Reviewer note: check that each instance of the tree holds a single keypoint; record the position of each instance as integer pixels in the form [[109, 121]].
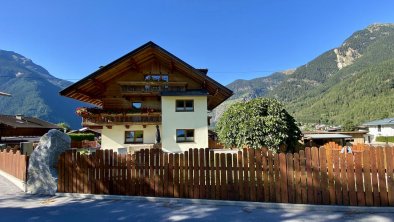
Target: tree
[[257, 123], [348, 126], [64, 125]]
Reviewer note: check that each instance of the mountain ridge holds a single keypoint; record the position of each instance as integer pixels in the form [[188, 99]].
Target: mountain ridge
[[35, 92], [314, 90]]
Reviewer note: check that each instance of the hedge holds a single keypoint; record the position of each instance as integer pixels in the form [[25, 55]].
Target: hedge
[[82, 136], [385, 139]]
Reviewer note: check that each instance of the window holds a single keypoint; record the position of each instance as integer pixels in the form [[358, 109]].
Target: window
[[379, 128], [184, 135], [184, 106], [136, 105], [134, 136]]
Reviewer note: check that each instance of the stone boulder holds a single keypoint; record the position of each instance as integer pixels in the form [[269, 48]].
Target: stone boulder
[[42, 173]]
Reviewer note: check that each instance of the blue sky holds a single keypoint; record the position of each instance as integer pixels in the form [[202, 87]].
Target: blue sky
[[234, 39]]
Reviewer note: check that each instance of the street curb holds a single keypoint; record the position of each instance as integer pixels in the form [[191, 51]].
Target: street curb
[[305, 207], [17, 182]]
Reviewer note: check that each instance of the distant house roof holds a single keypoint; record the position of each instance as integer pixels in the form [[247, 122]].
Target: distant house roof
[[326, 136], [20, 121], [387, 121]]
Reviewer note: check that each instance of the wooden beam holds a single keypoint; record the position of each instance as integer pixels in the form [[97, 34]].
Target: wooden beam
[[98, 84], [134, 65]]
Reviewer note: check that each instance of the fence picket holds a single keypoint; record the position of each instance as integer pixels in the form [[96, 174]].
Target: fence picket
[[308, 168], [196, 175], [304, 193], [283, 178], [259, 176], [359, 179], [202, 178], [266, 191], [367, 176], [350, 180], [390, 177], [236, 180], [297, 179], [252, 174], [316, 175], [277, 178], [382, 177], [290, 178], [223, 182]]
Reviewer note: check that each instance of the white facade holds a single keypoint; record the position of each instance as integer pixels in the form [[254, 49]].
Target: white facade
[[114, 137], [385, 130], [195, 120]]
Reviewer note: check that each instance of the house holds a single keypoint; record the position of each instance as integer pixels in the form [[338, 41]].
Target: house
[[319, 139], [23, 126], [381, 127], [149, 97]]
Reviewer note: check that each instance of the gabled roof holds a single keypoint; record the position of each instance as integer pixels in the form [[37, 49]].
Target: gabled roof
[[26, 122], [84, 90], [387, 121]]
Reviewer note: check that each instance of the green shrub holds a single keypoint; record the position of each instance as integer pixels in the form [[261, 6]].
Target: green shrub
[[82, 136], [389, 139]]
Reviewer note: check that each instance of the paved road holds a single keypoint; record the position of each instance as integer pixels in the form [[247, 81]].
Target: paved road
[[16, 206], [8, 188]]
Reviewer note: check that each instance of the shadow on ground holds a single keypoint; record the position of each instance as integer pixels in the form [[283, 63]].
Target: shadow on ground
[[22, 207]]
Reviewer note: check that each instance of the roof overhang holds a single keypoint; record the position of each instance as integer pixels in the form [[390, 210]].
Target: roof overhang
[[88, 88]]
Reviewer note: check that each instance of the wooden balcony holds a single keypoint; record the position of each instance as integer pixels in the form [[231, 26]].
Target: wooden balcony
[[104, 119], [151, 88]]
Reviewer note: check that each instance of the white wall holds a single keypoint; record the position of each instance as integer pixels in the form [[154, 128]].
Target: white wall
[[171, 121], [386, 130], [114, 138]]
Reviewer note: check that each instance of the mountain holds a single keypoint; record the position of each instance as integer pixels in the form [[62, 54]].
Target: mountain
[[250, 89], [354, 81], [34, 91]]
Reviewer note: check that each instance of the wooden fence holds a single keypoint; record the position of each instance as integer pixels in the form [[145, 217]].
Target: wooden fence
[[313, 176], [14, 163]]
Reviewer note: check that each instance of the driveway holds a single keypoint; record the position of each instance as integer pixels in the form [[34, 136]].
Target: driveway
[[17, 206]]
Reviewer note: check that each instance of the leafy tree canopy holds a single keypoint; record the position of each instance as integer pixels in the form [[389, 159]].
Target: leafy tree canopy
[[64, 125], [349, 126], [257, 123]]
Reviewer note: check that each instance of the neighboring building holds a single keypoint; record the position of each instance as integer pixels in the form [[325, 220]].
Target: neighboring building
[[319, 138], [148, 97], [382, 127], [17, 126]]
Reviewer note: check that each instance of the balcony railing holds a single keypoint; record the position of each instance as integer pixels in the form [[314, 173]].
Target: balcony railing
[[151, 87], [96, 116], [114, 119]]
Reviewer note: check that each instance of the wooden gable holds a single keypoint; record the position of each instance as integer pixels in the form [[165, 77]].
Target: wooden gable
[[149, 59]]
